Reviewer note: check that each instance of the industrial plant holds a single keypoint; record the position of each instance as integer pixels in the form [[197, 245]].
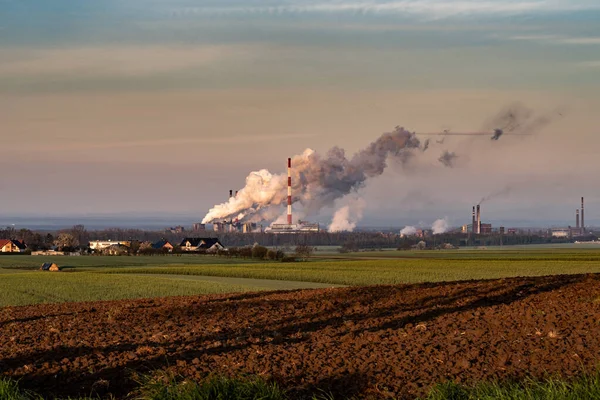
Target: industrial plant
[[234, 225], [578, 230]]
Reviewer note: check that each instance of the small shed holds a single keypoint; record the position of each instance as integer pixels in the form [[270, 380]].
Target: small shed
[[50, 267]]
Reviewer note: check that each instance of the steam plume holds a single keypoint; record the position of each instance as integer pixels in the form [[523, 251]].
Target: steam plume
[[317, 181], [440, 226], [346, 218], [408, 231]]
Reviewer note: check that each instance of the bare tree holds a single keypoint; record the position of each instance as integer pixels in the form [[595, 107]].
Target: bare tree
[[304, 251], [66, 242]]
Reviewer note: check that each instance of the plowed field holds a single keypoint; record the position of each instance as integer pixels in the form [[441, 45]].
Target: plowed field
[[378, 340]]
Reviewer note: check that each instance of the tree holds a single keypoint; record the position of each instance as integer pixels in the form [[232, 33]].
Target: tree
[[304, 251], [66, 242], [259, 252], [79, 233]]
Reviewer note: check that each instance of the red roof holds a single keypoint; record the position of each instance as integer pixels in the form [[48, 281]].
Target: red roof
[[4, 242]]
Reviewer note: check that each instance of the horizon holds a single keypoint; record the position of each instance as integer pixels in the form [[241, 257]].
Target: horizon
[[163, 114]]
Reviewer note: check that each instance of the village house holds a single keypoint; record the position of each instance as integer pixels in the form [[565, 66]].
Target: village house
[[198, 244], [12, 246], [97, 245], [163, 245]]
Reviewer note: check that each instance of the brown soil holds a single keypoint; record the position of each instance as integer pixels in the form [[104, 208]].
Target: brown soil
[[378, 340]]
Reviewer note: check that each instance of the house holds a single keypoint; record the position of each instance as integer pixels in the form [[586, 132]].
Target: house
[[198, 244], [12, 246], [163, 245], [50, 267], [103, 244], [115, 249]]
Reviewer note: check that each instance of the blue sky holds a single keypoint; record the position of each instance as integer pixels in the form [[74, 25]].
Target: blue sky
[[156, 87]]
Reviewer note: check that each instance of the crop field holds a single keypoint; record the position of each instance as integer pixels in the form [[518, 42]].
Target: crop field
[[34, 262], [384, 271], [37, 287], [377, 342], [90, 278]]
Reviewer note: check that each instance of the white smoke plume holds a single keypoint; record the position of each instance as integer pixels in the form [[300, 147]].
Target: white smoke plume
[[346, 218], [440, 226], [317, 181], [408, 231]]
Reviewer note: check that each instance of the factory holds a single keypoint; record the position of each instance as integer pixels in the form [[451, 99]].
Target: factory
[[476, 226], [249, 227], [578, 230], [290, 227]]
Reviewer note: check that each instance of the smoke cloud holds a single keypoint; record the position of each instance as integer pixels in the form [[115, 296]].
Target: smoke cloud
[[317, 181], [346, 218], [519, 119], [447, 159], [408, 230], [504, 191], [440, 226]]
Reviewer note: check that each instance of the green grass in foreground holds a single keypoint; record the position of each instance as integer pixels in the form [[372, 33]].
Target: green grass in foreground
[[586, 387], [56, 287], [162, 386], [371, 272], [166, 387]]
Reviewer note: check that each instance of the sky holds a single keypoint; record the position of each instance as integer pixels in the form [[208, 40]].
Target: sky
[[159, 107]]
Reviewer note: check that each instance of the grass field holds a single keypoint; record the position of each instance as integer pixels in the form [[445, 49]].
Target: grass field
[[45, 287], [385, 271], [119, 277], [34, 262]]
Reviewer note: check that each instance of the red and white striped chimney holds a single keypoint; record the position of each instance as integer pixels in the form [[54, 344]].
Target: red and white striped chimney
[[289, 210]]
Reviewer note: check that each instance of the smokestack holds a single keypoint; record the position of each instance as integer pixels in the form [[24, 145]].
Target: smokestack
[[582, 221], [577, 219], [230, 193], [236, 192], [289, 210], [473, 221], [478, 220]]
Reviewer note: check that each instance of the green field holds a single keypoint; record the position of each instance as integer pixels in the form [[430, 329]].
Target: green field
[[118, 277]]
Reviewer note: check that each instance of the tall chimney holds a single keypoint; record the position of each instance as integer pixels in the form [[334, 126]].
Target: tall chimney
[[577, 219], [230, 193], [478, 220], [582, 221], [473, 221], [236, 192], [289, 210]]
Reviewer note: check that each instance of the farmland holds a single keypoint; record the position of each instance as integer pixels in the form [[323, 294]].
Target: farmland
[[378, 341], [90, 278]]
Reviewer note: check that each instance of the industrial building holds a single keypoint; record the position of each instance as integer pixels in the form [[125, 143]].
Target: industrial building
[[290, 227], [476, 226], [578, 230], [248, 227]]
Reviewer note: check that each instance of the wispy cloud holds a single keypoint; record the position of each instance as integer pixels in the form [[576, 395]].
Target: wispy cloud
[[558, 39], [590, 64], [114, 60], [112, 144], [426, 8]]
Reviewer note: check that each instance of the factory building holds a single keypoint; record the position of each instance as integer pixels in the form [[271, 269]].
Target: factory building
[[290, 227], [249, 227], [476, 226]]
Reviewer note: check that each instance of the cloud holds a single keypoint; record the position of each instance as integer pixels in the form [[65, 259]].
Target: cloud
[[557, 39], [114, 60], [581, 40], [590, 64], [437, 9], [169, 142]]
